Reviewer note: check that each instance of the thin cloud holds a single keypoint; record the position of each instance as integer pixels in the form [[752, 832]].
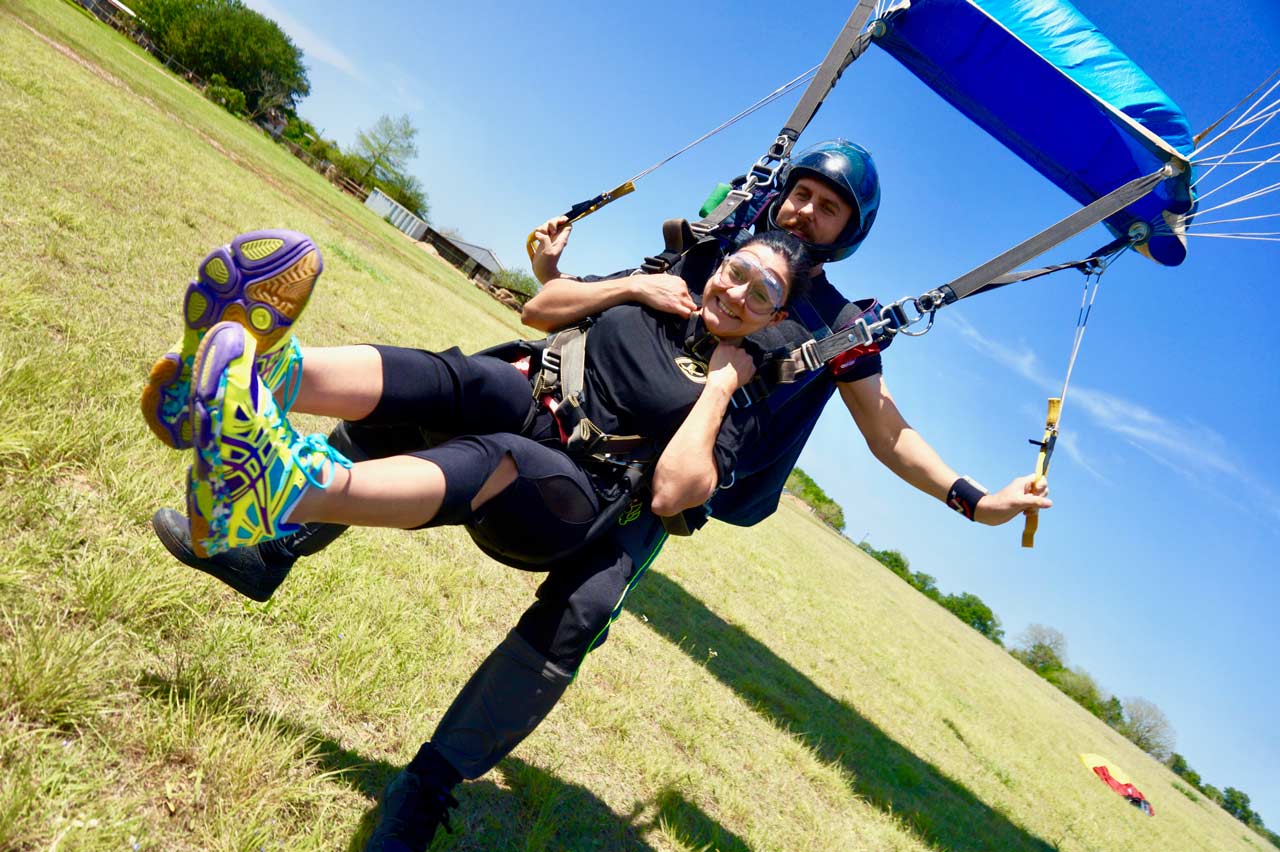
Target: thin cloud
[[1193, 450], [1069, 443], [314, 45]]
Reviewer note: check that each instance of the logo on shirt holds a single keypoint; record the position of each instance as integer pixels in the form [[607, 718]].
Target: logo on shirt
[[695, 370]]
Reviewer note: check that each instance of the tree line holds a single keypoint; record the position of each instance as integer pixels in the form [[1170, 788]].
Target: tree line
[[1043, 649], [253, 70]]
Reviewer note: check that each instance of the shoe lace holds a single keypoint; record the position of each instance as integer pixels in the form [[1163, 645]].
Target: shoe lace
[[314, 454]]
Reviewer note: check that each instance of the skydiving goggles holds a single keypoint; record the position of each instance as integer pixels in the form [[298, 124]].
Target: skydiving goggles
[[765, 291]]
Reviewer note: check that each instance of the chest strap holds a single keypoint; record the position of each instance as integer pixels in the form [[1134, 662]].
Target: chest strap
[[559, 387]]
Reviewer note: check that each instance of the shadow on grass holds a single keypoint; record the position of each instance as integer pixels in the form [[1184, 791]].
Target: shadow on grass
[[942, 812], [524, 808]]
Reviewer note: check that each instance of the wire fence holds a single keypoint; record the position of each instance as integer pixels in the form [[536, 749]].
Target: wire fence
[[124, 21]]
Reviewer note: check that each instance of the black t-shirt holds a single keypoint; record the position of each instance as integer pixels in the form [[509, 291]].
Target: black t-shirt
[[765, 463], [645, 371], [785, 419]]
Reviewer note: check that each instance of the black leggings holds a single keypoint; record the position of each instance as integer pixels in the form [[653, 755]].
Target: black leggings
[[479, 410]]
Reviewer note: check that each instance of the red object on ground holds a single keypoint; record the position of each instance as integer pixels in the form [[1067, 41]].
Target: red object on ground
[[1130, 792]]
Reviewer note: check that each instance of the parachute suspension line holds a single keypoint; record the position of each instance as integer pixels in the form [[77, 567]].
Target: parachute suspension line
[[1087, 297], [1274, 158], [783, 90], [1222, 158], [1093, 276], [1238, 219], [1273, 237], [1243, 174], [1203, 133], [585, 208], [851, 43], [1245, 117], [1248, 196]]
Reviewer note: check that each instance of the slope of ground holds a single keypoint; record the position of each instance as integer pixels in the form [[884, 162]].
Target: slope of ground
[[772, 689]]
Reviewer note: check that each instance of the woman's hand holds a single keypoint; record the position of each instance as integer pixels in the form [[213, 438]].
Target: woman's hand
[[731, 364]]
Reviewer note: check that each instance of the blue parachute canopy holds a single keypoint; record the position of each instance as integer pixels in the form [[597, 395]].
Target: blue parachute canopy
[[1038, 76]]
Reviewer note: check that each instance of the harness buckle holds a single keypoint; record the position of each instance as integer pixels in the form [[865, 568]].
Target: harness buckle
[[904, 313]]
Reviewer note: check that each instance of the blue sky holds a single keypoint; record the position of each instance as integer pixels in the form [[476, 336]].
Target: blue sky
[[1158, 561]]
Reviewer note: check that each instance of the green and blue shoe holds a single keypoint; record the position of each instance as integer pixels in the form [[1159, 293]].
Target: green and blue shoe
[[251, 468], [262, 281]]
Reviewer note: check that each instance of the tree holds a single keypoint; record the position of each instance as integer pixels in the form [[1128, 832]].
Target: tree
[[1080, 687], [517, 281], [407, 191], [229, 98], [1112, 712], [226, 37], [1236, 803], [1147, 727], [926, 585], [386, 147], [891, 559], [1179, 766], [1212, 793], [1042, 648], [970, 609], [802, 485]]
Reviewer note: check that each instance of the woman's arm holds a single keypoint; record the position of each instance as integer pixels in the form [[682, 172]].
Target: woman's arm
[[563, 300], [686, 474]]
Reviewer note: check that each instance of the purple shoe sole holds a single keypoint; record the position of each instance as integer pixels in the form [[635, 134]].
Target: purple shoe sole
[[262, 281]]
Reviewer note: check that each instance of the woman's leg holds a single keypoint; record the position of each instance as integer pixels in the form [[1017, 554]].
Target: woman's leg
[[535, 492], [445, 392], [338, 381], [255, 479], [402, 492]]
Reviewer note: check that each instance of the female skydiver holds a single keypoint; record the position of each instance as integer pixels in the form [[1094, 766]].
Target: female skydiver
[[504, 466]]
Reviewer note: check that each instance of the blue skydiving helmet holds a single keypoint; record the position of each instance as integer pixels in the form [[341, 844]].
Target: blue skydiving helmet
[[849, 169]]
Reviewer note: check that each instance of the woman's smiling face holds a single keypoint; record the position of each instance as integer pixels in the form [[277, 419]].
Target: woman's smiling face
[[746, 293]]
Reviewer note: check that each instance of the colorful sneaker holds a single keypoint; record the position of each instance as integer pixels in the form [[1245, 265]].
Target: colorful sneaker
[[262, 281], [251, 467]]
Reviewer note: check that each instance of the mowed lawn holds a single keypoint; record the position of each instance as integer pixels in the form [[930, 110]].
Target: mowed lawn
[[770, 689]]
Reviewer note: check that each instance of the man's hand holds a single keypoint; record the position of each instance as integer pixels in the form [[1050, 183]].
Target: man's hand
[[730, 364], [552, 236], [1021, 495], [666, 293]]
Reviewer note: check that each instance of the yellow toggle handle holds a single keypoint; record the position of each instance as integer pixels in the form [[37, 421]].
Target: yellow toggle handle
[[581, 210], [1032, 522]]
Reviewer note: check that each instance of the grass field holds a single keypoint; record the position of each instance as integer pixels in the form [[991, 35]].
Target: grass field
[[747, 701]]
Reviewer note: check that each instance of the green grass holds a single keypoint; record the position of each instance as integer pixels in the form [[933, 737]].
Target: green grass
[[745, 702]]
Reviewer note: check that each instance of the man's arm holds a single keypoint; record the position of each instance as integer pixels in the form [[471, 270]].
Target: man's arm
[[564, 300], [686, 474], [901, 449]]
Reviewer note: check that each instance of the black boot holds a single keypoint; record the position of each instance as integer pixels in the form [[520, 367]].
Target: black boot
[[415, 804], [255, 572]]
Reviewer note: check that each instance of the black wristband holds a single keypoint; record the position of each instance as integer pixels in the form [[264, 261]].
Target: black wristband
[[964, 496]]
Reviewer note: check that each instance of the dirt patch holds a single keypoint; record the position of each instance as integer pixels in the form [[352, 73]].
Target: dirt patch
[[76, 58]]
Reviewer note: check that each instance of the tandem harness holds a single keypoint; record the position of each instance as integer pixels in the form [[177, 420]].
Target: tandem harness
[[618, 465]]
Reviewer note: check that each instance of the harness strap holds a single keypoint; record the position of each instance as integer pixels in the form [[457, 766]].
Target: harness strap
[[676, 237], [849, 45], [559, 387]]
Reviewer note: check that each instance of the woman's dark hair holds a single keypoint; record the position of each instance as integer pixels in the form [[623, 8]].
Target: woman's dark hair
[[793, 252]]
